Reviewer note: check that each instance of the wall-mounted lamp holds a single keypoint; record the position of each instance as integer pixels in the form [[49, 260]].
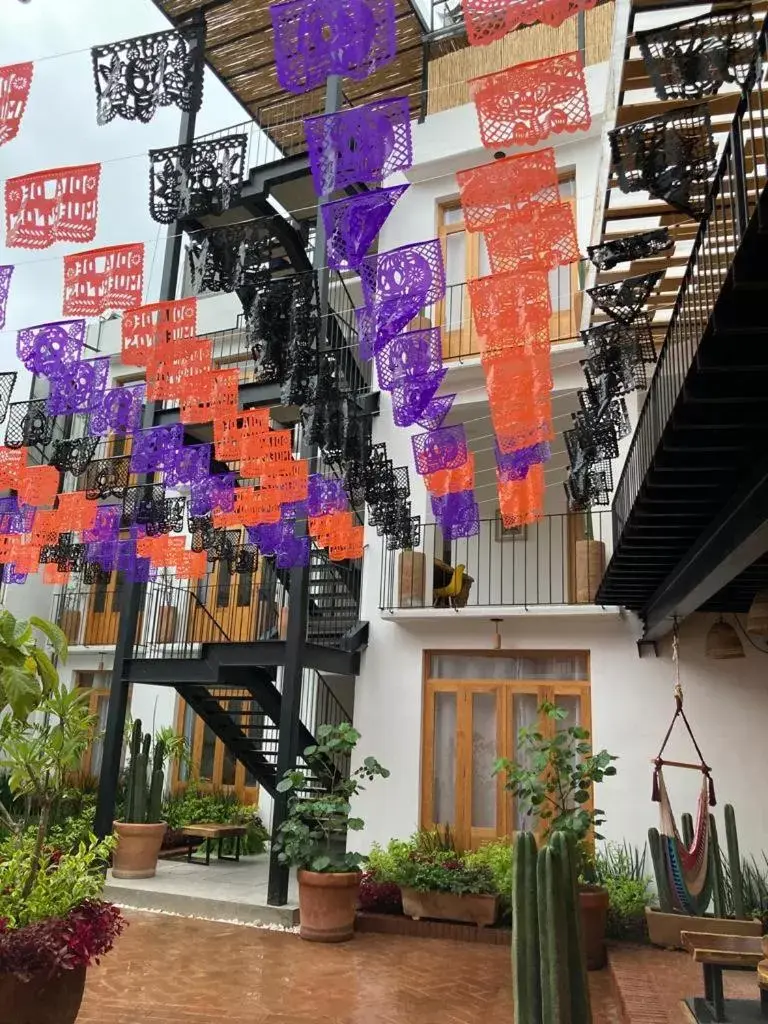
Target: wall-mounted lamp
[[497, 634]]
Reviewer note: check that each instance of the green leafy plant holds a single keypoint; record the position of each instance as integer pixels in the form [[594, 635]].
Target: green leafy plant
[[754, 888], [315, 828], [497, 857], [621, 869], [27, 674], [553, 778], [446, 872]]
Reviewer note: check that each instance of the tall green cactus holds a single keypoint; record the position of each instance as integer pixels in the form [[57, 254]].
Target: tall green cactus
[[716, 869], [143, 804], [660, 871], [157, 782], [734, 863], [525, 931], [549, 975]]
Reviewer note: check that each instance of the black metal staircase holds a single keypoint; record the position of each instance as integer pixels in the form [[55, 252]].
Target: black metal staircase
[[690, 508]]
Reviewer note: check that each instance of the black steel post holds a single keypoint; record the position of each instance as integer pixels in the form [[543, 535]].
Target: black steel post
[[133, 593], [296, 636]]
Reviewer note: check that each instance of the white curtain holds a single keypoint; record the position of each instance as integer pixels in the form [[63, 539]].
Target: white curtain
[[524, 666]]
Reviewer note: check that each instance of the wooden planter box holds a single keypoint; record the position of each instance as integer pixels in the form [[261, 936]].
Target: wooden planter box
[[165, 628], [664, 929], [447, 906], [590, 567]]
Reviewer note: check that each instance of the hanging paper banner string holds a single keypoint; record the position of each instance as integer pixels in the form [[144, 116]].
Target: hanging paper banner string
[[547, 240], [352, 224], [449, 481], [407, 356], [213, 492], [515, 465], [526, 103], [159, 322], [6, 273], [7, 382], [46, 207], [48, 347], [522, 501], [191, 465], [411, 399], [15, 81], [77, 387], [107, 478], [606, 255], [134, 77], [318, 38], [445, 448], [488, 20], [74, 455], [201, 178], [12, 462], [216, 398], [118, 411], [103, 279], [396, 285], [360, 146], [511, 312], [232, 430], [508, 190], [623, 300], [156, 448], [176, 368], [458, 514]]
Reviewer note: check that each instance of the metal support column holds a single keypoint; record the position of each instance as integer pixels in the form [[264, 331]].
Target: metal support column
[[288, 737], [133, 593]]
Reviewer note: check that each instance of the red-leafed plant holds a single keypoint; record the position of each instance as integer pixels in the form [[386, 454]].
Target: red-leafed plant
[[377, 897], [55, 944]]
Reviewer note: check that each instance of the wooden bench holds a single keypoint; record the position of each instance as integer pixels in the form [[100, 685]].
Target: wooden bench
[[718, 953], [210, 833]]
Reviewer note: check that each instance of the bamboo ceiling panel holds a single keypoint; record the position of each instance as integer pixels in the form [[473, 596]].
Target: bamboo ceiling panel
[[240, 50], [628, 214]]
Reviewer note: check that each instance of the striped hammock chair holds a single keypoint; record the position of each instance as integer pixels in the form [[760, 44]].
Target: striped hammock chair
[[687, 867], [690, 880]]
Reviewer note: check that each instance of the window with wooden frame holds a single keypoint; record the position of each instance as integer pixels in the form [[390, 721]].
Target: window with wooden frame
[[213, 766], [475, 704], [97, 684], [466, 258]]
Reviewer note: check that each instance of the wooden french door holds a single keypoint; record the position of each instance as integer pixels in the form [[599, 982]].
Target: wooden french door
[[103, 616], [223, 606], [467, 725]]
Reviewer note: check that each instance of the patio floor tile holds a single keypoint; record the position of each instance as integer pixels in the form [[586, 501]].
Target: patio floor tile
[[170, 970]]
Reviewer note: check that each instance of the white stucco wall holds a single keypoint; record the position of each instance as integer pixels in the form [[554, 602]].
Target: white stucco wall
[[632, 704]]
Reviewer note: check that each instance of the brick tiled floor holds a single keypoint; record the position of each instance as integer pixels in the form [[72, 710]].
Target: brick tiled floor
[[168, 970], [651, 983]]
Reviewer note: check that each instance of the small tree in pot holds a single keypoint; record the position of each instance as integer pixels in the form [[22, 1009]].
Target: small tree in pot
[[52, 921], [313, 836], [552, 782], [140, 835]]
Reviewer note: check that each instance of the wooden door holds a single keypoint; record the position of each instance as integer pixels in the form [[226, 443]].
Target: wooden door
[[224, 605]]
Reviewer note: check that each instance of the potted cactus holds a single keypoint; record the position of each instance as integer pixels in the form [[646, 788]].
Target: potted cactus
[[552, 783], [140, 835]]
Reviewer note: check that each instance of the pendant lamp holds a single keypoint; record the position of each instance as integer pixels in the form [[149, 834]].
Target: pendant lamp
[[723, 642]]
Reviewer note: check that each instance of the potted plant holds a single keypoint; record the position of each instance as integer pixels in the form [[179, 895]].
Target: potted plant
[[552, 782], [140, 834], [52, 921], [313, 835], [436, 881]]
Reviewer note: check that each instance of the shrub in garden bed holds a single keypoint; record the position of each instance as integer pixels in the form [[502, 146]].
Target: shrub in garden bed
[[621, 869]]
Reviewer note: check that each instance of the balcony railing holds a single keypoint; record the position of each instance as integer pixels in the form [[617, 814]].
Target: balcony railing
[[550, 562], [734, 198]]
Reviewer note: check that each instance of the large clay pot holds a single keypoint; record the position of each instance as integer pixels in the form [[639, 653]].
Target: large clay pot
[[449, 906], [137, 850], [590, 568], [327, 905], [593, 903], [53, 1000]]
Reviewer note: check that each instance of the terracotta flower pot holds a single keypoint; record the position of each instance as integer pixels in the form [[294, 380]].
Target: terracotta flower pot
[[45, 1000], [327, 904], [137, 850], [593, 903]]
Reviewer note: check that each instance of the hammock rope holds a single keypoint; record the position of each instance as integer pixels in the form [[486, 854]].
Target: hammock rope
[[690, 880]]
